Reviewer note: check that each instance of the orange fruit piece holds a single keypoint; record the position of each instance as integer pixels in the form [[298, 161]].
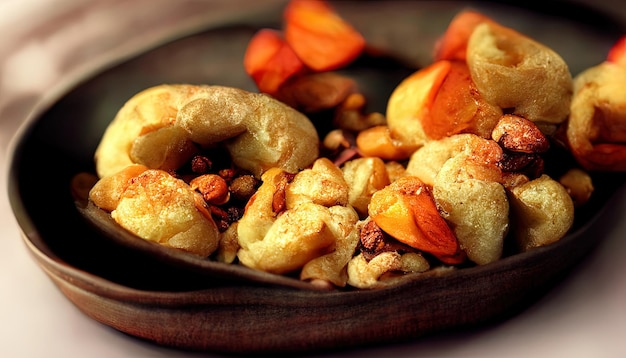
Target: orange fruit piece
[[320, 36], [270, 61]]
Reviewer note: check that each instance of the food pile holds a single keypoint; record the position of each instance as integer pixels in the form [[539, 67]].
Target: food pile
[[452, 175]]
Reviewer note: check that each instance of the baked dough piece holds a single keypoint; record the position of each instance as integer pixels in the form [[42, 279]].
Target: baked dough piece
[[162, 127], [543, 212], [476, 208], [596, 130], [520, 74], [157, 207], [303, 223]]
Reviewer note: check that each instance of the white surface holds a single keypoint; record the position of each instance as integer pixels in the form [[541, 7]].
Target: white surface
[[585, 316]]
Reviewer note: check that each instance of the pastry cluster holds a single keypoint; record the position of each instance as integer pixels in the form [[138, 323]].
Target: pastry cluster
[[452, 175]]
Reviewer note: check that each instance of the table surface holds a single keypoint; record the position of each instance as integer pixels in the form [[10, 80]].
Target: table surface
[[583, 316]]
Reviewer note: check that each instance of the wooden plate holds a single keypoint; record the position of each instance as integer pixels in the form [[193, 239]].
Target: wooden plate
[[140, 294]]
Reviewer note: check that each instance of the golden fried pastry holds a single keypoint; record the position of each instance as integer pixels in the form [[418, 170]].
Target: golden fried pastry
[[228, 246], [157, 207], [331, 267], [578, 184], [322, 184], [368, 274], [542, 212], [296, 237], [596, 130], [292, 220], [476, 208], [147, 111], [519, 74], [163, 126], [463, 171], [108, 191], [426, 162], [364, 177]]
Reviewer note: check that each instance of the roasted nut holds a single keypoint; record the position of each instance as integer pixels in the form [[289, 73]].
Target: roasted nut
[[372, 238], [379, 141], [519, 135], [349, 115], [349, 119], [227, 173], [354, 101], [213, 188], [516, 162], [531, 165], [340, 145], [337, 139], [279, 200], [200, 164], [374, 241], [220, 216], [353, 120], [243, 187]]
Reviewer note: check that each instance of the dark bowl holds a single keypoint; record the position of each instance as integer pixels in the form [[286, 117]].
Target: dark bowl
[[137, 293]]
